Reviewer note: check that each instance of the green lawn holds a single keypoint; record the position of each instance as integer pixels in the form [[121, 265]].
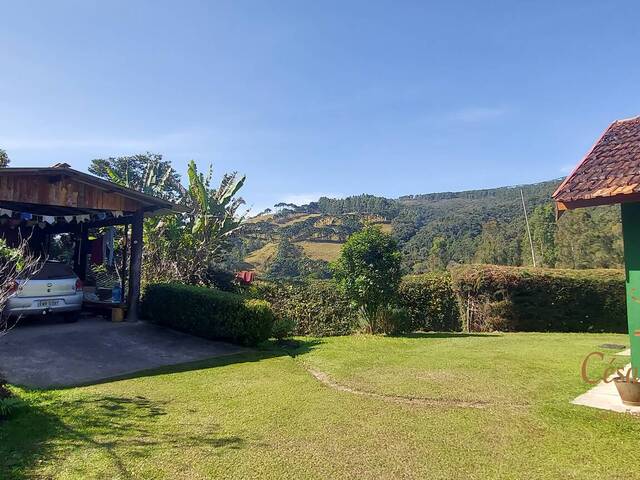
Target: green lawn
[[265, 416]]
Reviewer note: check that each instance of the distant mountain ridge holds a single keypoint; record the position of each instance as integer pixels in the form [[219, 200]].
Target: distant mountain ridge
[[433, 230], [503, 192]]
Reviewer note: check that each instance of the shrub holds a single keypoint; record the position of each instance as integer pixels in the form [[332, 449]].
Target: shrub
[[283, 327], [394, 320], [368, 273], [220, 278], [316, 307], [208, 313], [526, 299], [9, 405], [430, 302], [8, 402]]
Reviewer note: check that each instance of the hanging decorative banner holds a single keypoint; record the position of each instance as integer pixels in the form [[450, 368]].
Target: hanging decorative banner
[[42, 220]]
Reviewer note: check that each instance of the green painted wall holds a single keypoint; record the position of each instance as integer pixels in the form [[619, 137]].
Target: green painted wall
[[631, 234]]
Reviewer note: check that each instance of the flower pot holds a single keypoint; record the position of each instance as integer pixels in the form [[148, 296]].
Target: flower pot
[[629, 392]]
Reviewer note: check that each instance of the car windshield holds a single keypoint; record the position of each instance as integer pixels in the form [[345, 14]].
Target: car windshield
[[54, 270]]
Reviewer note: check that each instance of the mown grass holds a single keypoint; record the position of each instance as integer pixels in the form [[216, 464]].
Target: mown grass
[[262, 415]]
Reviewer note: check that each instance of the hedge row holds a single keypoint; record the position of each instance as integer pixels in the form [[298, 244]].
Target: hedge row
[[430, 302], [318, 309], [208, 313], [540, 300], [478, 297]]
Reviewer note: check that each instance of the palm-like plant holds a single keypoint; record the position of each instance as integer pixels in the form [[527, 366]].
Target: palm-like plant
[[181, 246], [186, 245]]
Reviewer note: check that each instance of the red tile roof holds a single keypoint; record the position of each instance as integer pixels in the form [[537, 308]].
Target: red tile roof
[[609, 173]]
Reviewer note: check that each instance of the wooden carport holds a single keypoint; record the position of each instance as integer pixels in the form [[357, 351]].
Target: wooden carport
[[58, 199]]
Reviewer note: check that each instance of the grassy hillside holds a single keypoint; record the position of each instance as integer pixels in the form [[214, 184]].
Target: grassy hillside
[[435, 230], [327, 251]]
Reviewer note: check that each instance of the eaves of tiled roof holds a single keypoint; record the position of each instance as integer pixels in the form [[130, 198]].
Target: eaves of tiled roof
[[609, 173]]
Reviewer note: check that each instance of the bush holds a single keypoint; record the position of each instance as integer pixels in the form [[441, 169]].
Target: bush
[[220, 278], [8, 402], [283, 327], [394, 321], [9, 405], [430, 302], [368, 272], [316, 307], [525, 299], [208, 313]]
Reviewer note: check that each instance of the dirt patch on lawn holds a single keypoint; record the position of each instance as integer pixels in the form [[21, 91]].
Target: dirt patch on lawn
[[416, 401]]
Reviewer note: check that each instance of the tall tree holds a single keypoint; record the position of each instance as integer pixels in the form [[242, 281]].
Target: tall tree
[[439, 257], [4, 159], [495, 247], [590, 238], [147, 173], [543, 234], [288, 261]]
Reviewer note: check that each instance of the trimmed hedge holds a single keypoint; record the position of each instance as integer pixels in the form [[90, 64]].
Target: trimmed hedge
[[431, 302], [318, 309], [486, 297], [541, 300], [315, 307], [208, 313]]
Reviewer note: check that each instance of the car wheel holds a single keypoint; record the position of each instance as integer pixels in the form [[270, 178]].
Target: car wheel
[[71, 317]]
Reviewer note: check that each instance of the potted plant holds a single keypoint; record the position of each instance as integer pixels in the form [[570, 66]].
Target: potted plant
[[628, 386]]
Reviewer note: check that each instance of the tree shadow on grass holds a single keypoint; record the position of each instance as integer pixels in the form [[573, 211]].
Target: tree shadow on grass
[[44, 431], [50, 425], [270, 349]]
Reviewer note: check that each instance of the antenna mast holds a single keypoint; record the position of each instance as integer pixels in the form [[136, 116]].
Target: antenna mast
[[526, 220]]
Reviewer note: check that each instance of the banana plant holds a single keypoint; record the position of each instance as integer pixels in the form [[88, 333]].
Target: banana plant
[[214, 210]]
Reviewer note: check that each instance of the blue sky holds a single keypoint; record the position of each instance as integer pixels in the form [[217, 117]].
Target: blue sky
[[312, 98]]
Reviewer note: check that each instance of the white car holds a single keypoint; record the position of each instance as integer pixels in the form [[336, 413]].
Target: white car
[[55, 289]]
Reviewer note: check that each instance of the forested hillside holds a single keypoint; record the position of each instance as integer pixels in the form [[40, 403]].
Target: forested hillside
[[434, 230]]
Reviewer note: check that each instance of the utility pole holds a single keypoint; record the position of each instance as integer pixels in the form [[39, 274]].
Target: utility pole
[[526, 220]]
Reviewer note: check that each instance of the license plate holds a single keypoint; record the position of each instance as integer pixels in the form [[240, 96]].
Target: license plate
[[48, 303]]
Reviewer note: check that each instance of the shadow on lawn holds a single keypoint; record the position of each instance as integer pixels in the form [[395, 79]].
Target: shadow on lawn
[[49, 426], [107, 425], [265, 351]]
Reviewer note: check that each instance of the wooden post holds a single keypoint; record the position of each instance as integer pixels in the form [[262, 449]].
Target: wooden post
[[135, 268], [83, 252], [125, 244], [631, 236]]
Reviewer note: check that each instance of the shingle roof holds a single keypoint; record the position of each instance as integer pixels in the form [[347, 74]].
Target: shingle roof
[[609, 173]]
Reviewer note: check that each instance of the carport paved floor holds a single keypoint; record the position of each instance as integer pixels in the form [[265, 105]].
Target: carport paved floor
[[47, 353]]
